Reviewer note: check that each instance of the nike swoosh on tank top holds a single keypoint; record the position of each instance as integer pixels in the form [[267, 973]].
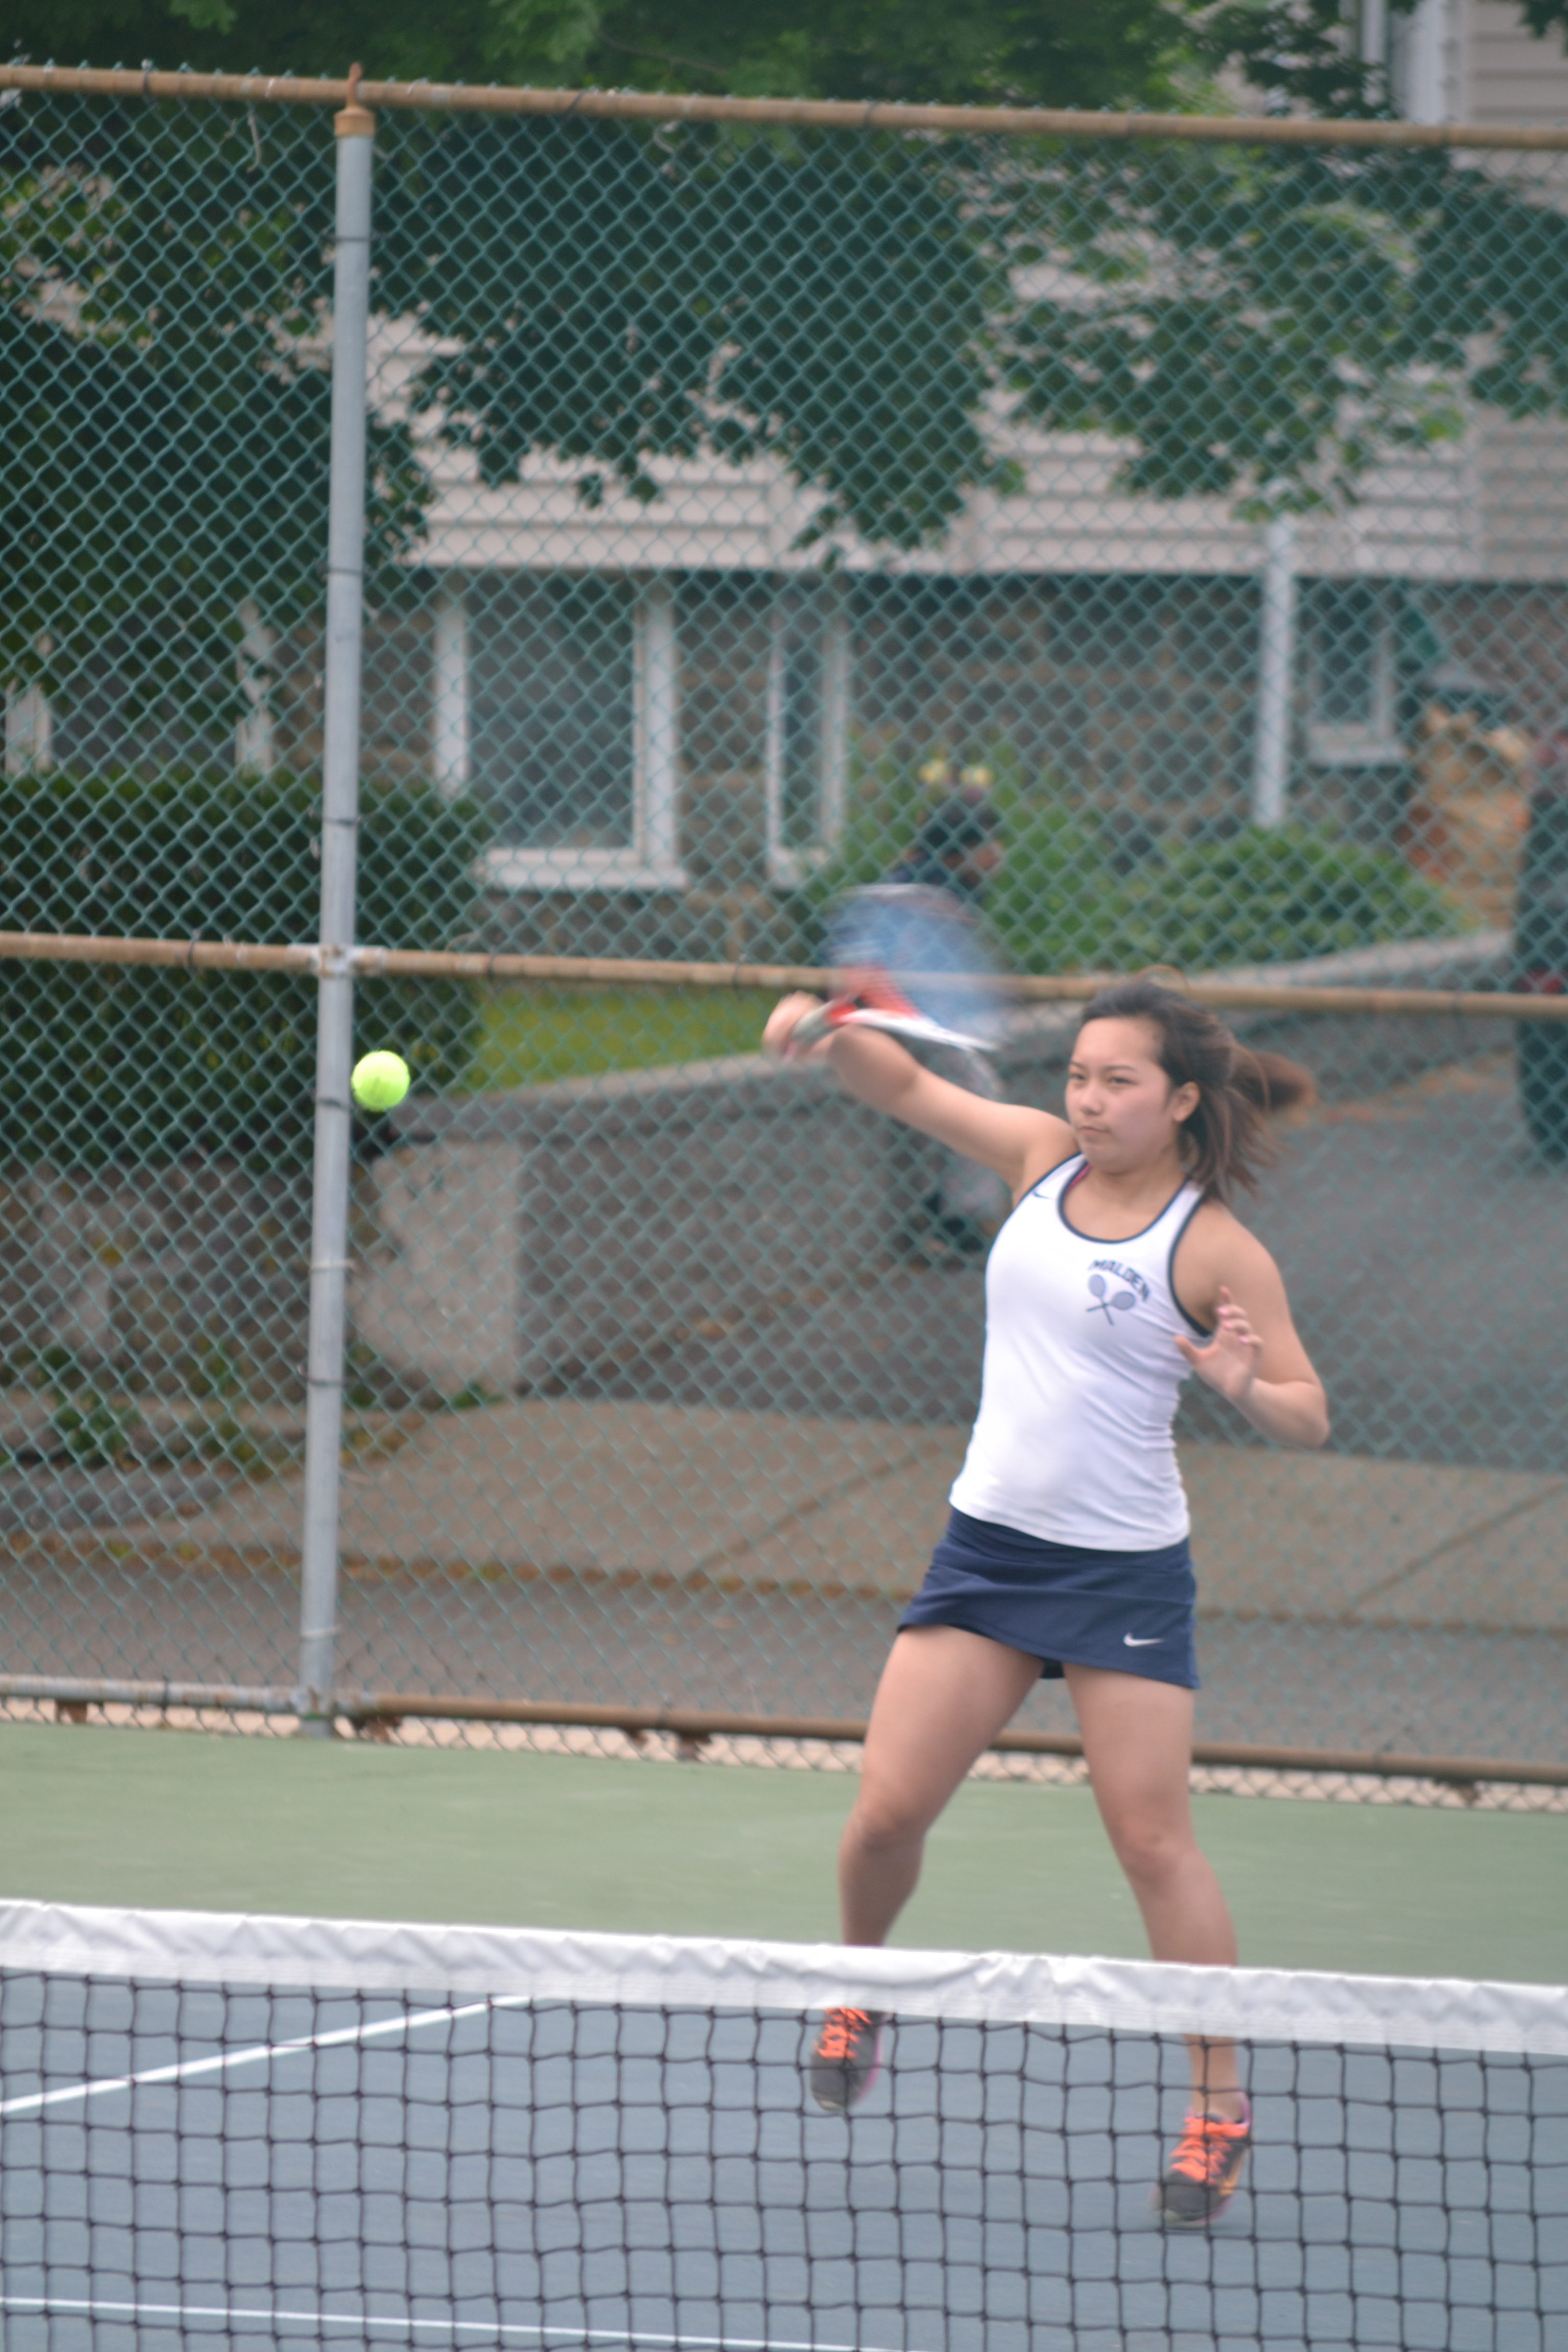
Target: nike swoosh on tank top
[[1072, 1441]]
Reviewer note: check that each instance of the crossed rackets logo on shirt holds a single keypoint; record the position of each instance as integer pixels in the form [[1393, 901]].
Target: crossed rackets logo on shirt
[[1104, 1299]]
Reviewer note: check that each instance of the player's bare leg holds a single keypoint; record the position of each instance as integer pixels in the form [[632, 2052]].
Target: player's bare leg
[[943, 1696], [1138, 1740]]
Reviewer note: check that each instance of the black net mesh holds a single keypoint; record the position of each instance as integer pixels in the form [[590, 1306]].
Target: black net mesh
[[186, 2163]]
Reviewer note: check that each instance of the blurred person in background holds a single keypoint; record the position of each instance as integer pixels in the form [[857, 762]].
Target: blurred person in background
[[958, 847], [958, 850]]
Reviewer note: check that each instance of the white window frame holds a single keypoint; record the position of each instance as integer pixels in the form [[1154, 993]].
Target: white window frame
[[787, 868], [451, 761], [30, 730], [1375, 744], [1422, 56], [256, 667], [651, 860]]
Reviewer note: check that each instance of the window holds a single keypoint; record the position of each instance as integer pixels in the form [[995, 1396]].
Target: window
[[554, 699], [807, 729], [1351, 717]]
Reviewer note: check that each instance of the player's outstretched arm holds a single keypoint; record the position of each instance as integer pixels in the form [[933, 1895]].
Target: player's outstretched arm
[[1018, 1143]]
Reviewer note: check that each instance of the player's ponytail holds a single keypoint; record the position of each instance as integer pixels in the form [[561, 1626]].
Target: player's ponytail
[[1227, 1140]]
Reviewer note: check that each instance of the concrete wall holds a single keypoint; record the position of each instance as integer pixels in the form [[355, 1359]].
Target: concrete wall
[[519, 1237], [174, 1276], [511, 1241], [514, 1240]]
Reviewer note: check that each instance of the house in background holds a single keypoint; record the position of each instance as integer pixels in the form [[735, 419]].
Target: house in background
[[667, 705]]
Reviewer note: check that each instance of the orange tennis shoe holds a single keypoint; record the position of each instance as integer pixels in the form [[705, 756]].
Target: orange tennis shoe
[[1204, 2170], [846, 2058]]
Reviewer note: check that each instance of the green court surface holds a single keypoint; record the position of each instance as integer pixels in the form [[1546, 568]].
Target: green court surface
[[223, 1823]]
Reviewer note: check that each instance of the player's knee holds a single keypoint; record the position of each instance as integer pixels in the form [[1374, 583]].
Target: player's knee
[[883, 1819], [1152, 1853]]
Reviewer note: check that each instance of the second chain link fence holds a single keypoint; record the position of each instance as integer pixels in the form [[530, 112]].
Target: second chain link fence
[[751, 509]]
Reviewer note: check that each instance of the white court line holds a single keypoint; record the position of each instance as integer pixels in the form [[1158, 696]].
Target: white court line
[[33, 2102], [497, 2330]]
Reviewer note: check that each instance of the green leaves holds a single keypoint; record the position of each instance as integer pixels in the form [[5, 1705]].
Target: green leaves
[[625, 303], [1271, 897], [1258, 326], [1265, 326], [163, 282], [105, 1063], [1246, 322], [1057, 52], [204, 16]]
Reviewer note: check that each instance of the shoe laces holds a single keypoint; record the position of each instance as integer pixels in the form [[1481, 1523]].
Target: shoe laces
[[1204, 2147], [841, 2030]]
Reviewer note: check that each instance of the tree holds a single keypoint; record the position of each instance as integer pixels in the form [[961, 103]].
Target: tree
[[1152, 53], [1266, 324], [1053, 52], [1545, 17], [1258, 323], [618, 300], [1058, 52], [163, 281]]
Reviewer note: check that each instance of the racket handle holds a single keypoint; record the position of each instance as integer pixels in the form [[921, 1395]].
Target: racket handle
[[810, 1030]]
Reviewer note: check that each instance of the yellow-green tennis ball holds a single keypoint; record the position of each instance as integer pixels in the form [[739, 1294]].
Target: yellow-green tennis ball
[[380, 1081]]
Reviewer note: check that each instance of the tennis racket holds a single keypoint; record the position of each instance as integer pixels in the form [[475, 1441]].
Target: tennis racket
[[915, 963], [878, 1004]]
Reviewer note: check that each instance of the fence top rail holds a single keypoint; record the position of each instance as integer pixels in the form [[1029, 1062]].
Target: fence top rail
[[310, 961], [805, 113]]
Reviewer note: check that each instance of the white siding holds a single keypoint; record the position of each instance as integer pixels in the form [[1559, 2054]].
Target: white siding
[[1494, 506], [1506, 75], [1523, 504], [1423, 518]]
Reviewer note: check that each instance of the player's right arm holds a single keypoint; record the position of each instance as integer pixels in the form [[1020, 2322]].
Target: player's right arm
[[1018, 1143]]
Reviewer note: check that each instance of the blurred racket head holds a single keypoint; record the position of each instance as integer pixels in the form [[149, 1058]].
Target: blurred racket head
[[916, 950]]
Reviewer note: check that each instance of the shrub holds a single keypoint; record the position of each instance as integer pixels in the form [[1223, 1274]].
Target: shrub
[[1059, 903], [1271, 898], [1056, 895], [113, 1063]]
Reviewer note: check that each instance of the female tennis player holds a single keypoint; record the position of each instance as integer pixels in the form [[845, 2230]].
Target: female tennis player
[[1119, 1271]]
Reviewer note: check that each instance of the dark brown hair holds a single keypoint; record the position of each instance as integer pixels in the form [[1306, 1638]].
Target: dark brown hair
[[1225, 1139]]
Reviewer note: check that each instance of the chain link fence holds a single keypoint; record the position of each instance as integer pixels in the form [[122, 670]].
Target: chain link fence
[[737, 491]]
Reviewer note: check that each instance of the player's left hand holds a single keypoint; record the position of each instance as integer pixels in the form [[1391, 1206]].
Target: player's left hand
[[1228, 1362]]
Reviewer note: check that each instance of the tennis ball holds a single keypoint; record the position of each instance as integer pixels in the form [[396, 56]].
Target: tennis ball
[[380, 1081]]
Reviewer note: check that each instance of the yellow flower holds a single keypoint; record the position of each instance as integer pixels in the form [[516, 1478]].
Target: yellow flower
[[980, 775]]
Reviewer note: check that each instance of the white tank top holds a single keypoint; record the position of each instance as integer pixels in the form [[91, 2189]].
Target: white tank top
[[1073, 1442]]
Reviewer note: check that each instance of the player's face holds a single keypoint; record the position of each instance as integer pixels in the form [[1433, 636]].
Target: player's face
[[1121, 1105]]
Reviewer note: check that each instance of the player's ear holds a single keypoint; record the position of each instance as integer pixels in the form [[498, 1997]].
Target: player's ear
[[1184, 1099]]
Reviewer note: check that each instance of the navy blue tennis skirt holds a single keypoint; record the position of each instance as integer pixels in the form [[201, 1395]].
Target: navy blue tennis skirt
[[1131, 1610]]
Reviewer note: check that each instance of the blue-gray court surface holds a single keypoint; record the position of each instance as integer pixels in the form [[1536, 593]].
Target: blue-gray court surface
[[511, 2175]]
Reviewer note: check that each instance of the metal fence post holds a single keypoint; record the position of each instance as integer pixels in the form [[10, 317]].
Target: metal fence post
[[1276, 671], [355, 129]]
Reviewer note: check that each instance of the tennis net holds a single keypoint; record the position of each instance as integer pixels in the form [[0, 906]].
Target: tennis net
[[255, 2131]]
